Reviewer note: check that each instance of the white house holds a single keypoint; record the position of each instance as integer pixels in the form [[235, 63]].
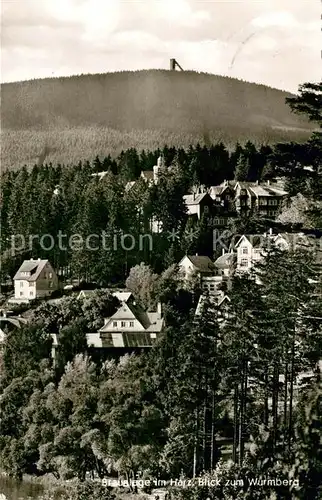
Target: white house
[[34, 279], [249, 252], [196, 265], [252, 248], [131, 327]]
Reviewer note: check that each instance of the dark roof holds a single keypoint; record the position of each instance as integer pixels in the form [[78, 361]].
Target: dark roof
[[148, 174], [194, 199], [34, 267], [202, 262]]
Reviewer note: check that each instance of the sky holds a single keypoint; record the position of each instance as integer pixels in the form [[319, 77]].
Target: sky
[[274, 42]]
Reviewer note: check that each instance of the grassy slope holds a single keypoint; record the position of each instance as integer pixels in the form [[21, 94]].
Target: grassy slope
[[81, 116]]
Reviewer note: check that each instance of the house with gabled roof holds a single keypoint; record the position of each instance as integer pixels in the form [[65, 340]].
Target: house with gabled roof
[[198, 204], [131, 327], [249, 197], [249, 250], [34, 279], [196, 265]]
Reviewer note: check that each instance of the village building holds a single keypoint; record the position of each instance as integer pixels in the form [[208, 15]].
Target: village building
[[246, 198], [251, 249], [199, 266], [34, 279], [151, 176], [198, 203], [130, 327]]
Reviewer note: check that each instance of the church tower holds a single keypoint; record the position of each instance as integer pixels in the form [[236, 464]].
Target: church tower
[[158, 169]]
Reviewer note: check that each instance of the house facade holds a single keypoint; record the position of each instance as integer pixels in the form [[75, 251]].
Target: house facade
[[131, 327], [34, 279], [196, 265], [246, 198], [198, 204], [249, 251]]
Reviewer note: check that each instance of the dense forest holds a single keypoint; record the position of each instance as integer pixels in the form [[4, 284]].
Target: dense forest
[[225, 399], [48, 200], [70, 119]]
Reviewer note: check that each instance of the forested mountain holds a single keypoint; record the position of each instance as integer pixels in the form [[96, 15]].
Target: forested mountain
[[71, 118]]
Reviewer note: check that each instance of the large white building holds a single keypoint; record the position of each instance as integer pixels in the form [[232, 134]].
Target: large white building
[[34, 279]]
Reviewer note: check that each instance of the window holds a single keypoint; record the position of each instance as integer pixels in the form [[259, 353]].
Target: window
[[21, 284], [31, 293], [21, 294], [206, 209], [211, 287], [244, 263], [123, 324], [31, 283], [114, 324], [245, 250], [50, 284], [131, 324], [262, 201], [50, 275]]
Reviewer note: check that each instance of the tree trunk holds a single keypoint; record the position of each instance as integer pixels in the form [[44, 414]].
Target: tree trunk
[[285, 394], [290, 423], [213, 432], [242, 442], [241, 417], [235, 441], [275, 403], [266, 411]]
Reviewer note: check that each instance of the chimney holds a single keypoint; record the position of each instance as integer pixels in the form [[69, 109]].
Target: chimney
[[159, 308], [172, 64], [223, 252], [268, 182], [196, 255], [270, 231]]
